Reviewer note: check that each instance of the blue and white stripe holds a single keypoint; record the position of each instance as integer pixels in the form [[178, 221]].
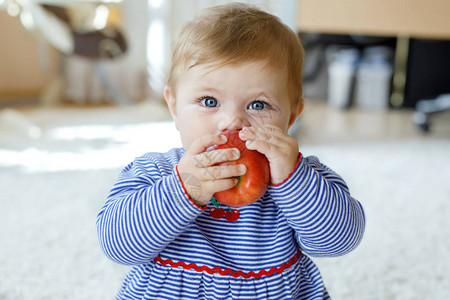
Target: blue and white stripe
[[148, 215]]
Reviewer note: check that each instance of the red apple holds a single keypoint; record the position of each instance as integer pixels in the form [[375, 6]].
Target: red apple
[[253, 184]]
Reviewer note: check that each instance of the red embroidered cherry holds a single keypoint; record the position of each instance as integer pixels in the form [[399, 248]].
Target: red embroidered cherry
[[232, 216], [216, 213]]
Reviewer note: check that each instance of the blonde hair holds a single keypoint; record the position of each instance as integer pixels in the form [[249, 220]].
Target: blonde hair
[[235, 33]]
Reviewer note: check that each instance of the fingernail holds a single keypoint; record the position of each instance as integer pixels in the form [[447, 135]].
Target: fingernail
[[236, 153], [245, 133], [242, 169]]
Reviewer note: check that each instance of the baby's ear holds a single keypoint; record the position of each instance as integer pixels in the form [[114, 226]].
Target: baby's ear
[[170, 100], [296, 111]]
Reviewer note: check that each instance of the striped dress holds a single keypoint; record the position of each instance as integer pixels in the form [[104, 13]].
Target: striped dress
[[177, 250]]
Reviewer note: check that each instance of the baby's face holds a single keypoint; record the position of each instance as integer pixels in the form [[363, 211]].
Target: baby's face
[[210, 100]]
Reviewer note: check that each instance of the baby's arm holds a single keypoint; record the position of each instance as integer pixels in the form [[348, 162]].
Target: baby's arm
[[318, 206], [146, 209], [315, 200]]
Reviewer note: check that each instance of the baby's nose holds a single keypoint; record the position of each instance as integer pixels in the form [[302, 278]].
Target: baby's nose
[[233, 123]]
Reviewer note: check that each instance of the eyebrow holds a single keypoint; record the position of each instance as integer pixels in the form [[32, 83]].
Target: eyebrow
[[209, 89], [263, 94], [270, 98]]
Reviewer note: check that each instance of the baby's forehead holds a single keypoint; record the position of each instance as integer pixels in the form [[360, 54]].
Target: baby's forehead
[[245, 80], [262, 64], [218, 74]]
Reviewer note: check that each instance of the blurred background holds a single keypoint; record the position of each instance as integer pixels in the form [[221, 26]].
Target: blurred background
[[81, 96]]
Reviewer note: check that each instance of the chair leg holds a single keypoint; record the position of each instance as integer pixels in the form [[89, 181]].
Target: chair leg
[[422, 121], [426, 108]]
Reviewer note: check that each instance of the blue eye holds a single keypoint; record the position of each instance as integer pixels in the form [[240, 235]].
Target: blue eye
[[209, 102], [258, 105]]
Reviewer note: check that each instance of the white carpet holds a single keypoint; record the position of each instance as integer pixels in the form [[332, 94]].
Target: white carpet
[[53, 187], [404, 187]]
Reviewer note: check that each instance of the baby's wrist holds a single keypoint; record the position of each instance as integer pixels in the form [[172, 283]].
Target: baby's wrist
[[192, 192], [291, 171], [201, 202]]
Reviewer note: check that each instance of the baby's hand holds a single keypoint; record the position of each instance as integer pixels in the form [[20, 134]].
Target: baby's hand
[[200, 177], [280, 149]]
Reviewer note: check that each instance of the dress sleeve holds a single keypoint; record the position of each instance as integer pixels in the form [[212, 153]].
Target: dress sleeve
[[317, 204], [146, 209]]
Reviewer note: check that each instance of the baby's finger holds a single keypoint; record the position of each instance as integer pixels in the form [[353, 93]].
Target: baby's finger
[[206, 141], [278, 135], [268, 135], [213, 157], [220, 184], [262, 146], [264, 132], [223, 172]]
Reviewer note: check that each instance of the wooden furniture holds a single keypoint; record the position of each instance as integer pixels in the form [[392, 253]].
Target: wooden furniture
[[413, 18], [25, 67]]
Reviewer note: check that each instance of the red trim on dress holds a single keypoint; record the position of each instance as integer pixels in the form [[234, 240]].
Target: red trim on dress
[[228, 271], [186, 193], [300, 157]]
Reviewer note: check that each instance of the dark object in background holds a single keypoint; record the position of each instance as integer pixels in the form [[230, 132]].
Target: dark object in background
[[316, 62], [428, 71], [107, 43], [311, 41]]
